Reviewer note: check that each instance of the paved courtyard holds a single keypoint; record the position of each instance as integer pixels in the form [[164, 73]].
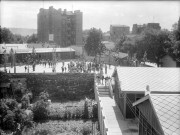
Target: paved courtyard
[[46, 69]]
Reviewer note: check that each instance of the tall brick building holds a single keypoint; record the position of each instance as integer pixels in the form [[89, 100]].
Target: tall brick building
[[61, 27]]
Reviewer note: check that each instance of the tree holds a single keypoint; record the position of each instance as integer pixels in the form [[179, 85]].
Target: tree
[[119, 46], [18, 39], [175, 41], [11, 116], [6, 35], [155, 43], [32, 39], [93, 44]]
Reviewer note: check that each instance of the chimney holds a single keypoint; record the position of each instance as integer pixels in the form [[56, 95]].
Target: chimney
[[147, 92]]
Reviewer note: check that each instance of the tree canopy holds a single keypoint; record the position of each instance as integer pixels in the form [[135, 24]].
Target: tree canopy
[[154, 43], [93, 43], [32, 39], [6, 35], [9, 38]]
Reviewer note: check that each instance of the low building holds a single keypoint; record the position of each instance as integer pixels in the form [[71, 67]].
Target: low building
[[41, 53], [159, 114], [130, 84]]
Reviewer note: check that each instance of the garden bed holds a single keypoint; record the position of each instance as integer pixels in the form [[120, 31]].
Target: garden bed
[[71, 127], [73, 110]]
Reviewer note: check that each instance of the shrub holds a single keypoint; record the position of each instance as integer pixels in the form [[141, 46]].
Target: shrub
[[40, 110], [12, 116], [60, 86], [86, 130], [95, 111], [44, 96], [25, 101]]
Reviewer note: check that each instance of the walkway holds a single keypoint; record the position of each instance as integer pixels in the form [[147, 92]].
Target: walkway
[[110, 116]]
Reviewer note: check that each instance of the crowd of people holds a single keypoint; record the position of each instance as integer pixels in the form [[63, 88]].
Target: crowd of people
[[75, 66]]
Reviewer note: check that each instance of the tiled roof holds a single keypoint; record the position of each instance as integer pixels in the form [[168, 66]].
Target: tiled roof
[[158, 79], [167, 108]]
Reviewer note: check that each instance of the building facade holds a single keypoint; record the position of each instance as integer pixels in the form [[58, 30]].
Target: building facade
[[61, 27], [137, 29], [117, 31]]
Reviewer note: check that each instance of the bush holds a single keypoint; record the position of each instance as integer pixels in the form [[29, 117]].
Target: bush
[[25, 101], [60, 86], [40, 110], [95, 111], [44, 96], [11, 116]]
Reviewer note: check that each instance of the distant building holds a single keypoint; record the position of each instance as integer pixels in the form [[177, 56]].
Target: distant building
[[117, 31], [61, 27], [154, 26], [137, 29], [22, 51]]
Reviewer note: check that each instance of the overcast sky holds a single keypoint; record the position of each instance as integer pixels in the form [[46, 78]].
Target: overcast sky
[[100, 14]]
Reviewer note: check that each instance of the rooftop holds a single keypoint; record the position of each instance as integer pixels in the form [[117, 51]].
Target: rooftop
[[158, 79], [117, 25], [40, 50], [167, 107]]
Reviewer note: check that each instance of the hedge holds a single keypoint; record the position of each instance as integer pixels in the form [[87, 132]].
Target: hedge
[[61, 87]]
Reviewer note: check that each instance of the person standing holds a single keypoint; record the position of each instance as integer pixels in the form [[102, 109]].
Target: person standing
[[25, 68], [105, 69], [65, 69], [102, 78], [62, 69]]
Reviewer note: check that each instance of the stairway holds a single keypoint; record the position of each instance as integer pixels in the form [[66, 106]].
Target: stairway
[[103, 91]]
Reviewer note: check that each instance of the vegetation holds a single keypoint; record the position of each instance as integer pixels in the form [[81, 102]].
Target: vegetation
[[32, 39], [93, 44], [152, 45], [71, 127], [9, 38], [41, 107], [61, 87], [84, 109], [75, 117], [12, 117]]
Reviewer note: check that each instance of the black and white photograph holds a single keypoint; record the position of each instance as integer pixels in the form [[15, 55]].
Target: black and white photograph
[[89, 67]]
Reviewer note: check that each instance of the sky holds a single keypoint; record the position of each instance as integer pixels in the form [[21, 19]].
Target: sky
[[98, 14]]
